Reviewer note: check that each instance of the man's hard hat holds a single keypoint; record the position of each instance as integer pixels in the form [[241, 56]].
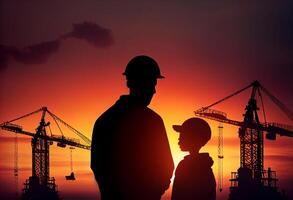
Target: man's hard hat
[[142, 67], [195, 127]]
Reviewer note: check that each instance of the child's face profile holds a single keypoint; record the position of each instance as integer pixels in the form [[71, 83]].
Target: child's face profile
[[182, 142], [188, 143]]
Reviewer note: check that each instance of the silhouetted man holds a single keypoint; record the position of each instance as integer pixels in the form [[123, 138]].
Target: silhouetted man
[[130, 153]]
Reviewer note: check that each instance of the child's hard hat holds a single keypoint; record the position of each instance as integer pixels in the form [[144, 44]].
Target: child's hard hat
[[194, 126]]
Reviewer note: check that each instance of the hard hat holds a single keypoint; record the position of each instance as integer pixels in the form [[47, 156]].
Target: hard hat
[[142, 67], [194, 127]]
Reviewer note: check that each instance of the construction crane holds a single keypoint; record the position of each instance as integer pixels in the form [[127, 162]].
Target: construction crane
[[251, 181], [40, 185]]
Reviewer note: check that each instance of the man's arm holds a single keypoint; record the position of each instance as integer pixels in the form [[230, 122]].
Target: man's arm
[[164, 156]]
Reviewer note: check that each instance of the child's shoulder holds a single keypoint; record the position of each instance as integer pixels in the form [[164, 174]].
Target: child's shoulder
[[201, 160], [205, 160], [205, 157], [193, 167]]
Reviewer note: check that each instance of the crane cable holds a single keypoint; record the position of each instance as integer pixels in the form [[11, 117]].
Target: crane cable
[[262, 105], [71, 160], [26, 115], [282, 106], [83, 137], [57, 125], [227, 97], [50, 131]]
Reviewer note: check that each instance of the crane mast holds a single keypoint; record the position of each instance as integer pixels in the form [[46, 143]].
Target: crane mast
[[251, 140], [40, 153]]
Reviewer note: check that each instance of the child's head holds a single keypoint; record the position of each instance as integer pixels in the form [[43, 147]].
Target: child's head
[[194, 134]]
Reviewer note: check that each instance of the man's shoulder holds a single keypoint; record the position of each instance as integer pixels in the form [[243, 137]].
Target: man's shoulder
[[106, 115], [152, 113], [121, 110]]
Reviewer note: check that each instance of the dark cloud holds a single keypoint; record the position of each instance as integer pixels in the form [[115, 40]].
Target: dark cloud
[[5, 53], [94, 34], [38, 53], [33, 54]]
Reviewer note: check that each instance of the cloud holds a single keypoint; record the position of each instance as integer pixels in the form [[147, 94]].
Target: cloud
[[33, 54], [92, 33], [39, 53], [5, 53], [36, 54]]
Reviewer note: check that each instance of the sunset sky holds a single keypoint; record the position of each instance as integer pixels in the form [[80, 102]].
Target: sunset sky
[[70, 55]]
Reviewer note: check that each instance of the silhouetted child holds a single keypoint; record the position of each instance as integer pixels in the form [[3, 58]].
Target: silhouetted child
[[194, 178]]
